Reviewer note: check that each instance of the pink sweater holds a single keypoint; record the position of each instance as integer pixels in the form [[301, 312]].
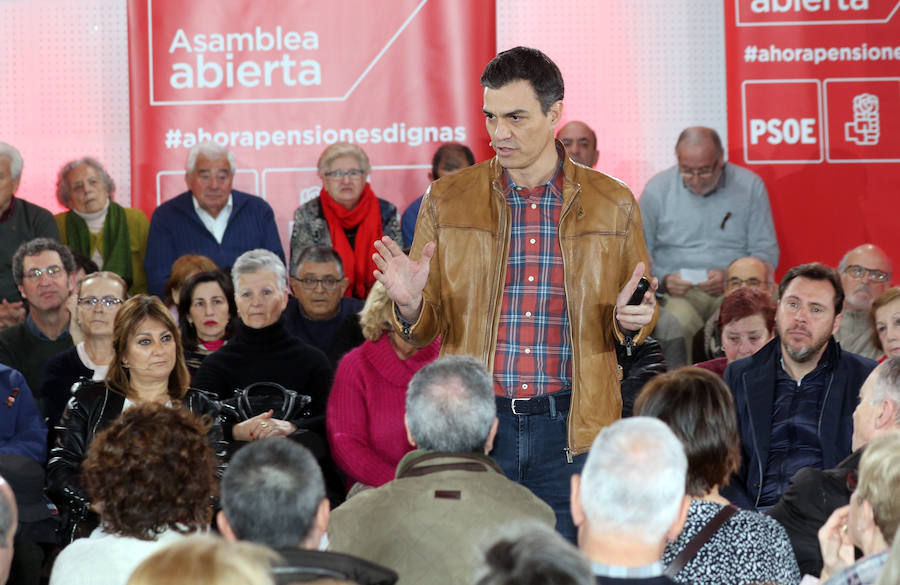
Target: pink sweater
[[366, 407]]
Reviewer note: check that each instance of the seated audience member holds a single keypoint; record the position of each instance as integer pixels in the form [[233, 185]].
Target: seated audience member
[[795, 396], [210, 218], [865, 275], [207, 560], [83, 267], [9, 521], [319, 313], [43, 269], [580, 142], [448, 158], [885, 320], [98, 299], [747, 323], [147, 368], [638, 365], [698, 216], [433, 522], [113, 236], [206, 315], [152, 474], [366, 404], [869, 522], [182, 269], [748, 547], [273, 494], [629, 501], [535, 555], [744, 272], [346, 216], [22, 429], [814, 494], [262, 350], [20, 221]]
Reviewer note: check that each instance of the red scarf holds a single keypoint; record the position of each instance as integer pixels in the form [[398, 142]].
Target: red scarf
[[366, 217]]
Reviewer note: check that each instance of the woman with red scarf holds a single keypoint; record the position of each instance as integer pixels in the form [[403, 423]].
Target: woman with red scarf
[[347, 216]]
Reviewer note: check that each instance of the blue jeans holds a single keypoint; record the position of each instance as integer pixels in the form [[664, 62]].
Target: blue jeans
[[531, 451]]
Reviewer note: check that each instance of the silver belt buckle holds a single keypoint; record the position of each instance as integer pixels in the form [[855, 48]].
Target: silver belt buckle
[[513, 405]]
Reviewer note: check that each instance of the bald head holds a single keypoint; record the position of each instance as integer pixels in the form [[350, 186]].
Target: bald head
[[580, 142], [860, 269], [752, 272]]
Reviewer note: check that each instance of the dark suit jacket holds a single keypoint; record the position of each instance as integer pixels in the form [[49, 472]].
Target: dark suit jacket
[[752, 383]]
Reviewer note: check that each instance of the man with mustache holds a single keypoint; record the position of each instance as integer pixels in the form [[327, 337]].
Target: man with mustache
[[795, 397]]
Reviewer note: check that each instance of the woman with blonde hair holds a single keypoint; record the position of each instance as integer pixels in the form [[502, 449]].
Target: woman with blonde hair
[[147, 368], [367, 400], [346, 216]]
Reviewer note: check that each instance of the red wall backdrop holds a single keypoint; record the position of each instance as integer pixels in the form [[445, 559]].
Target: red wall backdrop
[[814, 108], [280, 80]]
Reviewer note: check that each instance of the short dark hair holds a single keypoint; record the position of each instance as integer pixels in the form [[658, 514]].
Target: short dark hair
[[746, 302], [152, 468], [317, 253], [272, 491], [35, 247], [815, 271], [447, 148], [698, 407], [185, 297], [530, 65]]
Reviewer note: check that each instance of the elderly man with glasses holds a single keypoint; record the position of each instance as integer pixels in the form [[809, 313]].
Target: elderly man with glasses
[[700, 215], [865, 275], [319, 313], [43, 270]]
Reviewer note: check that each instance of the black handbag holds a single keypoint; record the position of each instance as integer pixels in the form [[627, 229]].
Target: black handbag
[[261, 397]]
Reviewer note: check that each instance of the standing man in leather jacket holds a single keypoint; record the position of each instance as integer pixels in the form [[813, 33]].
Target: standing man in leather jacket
[[527, 262]]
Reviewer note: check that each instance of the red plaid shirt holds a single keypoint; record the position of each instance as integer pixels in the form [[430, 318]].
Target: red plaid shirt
[[534, 351]]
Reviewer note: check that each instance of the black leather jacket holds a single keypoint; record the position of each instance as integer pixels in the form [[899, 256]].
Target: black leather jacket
[[91, 409], [638, 366]]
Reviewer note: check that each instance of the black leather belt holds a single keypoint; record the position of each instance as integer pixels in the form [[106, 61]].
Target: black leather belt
[[558, 401]]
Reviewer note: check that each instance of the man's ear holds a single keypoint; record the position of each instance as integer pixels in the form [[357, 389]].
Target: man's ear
[[409, 436], [345, 282], [678, 524], [492, 434], [225, 527], [575, 501], [837, 323], [887, 416], [319, 527], [555, 113], [22, 291]]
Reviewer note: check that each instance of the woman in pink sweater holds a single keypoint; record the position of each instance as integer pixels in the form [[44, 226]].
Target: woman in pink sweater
[[366, 404]]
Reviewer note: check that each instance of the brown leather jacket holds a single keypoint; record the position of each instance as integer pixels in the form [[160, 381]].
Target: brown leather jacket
[[601, 239]]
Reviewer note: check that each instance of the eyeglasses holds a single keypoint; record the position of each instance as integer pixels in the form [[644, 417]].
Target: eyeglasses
[[51, 271], [339, 174], [858, 272], [703, 173], [92, 301], [735, 282], [311, 283]]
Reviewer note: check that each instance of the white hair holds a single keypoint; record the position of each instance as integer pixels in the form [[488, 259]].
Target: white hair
[[633, 481], [15, 159], [259, 260], [210, 150]]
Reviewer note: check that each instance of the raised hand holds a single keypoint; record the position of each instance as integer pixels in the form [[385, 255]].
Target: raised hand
[[633, 317], [403, 279]]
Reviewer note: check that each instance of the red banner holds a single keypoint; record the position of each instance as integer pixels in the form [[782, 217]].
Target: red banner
[[814, 108], [278, 81]]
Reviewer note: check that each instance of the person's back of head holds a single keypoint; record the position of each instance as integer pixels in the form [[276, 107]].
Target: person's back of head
[[273, 493], [207, 560], [534, 554], [633, 482], [450, 406]]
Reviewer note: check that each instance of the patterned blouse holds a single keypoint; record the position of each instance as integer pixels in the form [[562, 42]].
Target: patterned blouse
[[749, 548]]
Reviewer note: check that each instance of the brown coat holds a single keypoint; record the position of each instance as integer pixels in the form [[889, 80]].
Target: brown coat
[[601, 240]]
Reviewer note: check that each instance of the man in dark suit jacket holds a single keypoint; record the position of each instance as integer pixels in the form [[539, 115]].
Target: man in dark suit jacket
[[795, 397], [210, 218], [814, 494]]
